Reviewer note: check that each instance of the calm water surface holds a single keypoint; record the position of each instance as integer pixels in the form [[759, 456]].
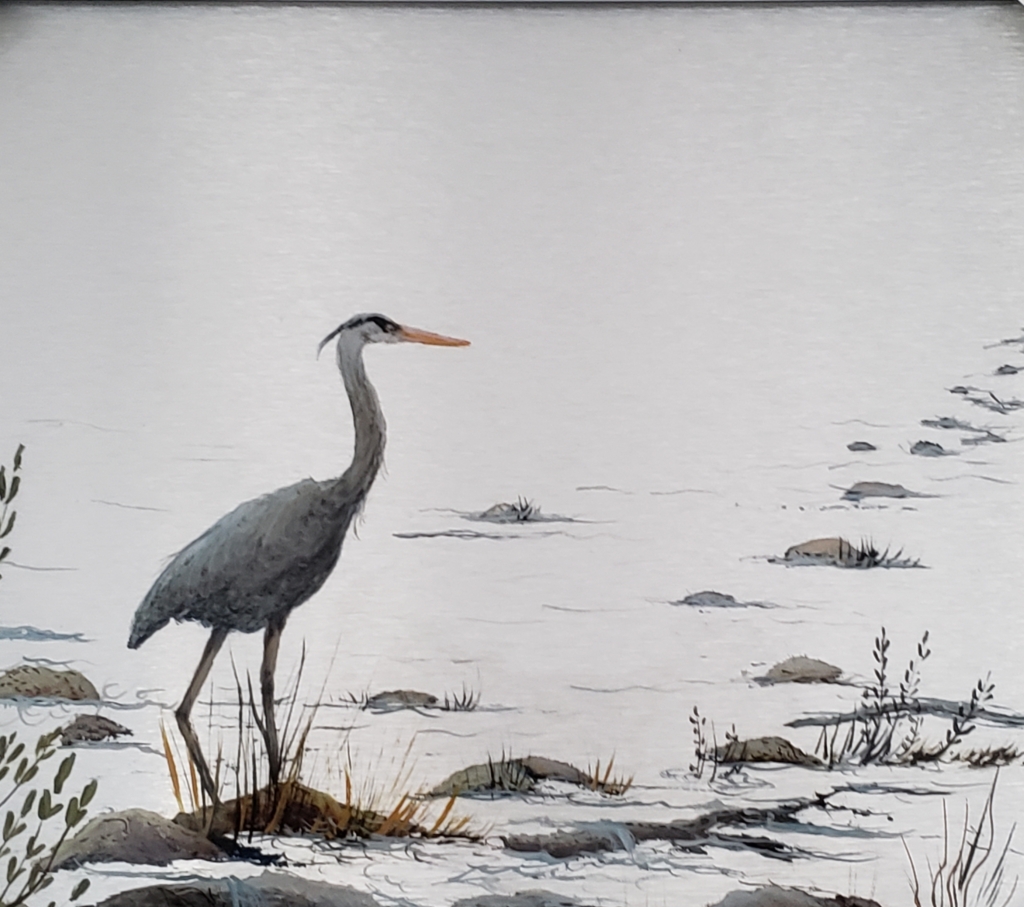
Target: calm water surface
[[698, 251]]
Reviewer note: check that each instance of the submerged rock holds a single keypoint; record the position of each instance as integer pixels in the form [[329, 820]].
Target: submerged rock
[[268, 890], [91, 729], [392, 700], [860, 445], [521, 511], [774, 896], [506, 775], [134, 836], [948, 422], [764, 749], [930, 449], [521, 776], [838, 552], [878, 490], [801, 669], [533, 898], [544, 769], [37, 681], [711, 599]]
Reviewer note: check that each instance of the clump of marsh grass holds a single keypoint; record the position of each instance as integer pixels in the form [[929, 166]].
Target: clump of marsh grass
[[8, 492], [292, 806], [964, 875], [466, 701]]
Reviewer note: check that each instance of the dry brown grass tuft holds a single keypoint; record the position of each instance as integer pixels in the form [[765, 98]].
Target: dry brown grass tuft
[[293, 806], [614, 786]]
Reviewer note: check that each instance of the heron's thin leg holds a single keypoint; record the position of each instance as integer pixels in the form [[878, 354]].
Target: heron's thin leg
[[183, 711], [271, 643]]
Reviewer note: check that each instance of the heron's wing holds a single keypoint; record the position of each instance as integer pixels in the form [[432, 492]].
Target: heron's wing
[[263, 558]]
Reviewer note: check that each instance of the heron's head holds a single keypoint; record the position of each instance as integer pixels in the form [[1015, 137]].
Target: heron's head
[[362, 329]]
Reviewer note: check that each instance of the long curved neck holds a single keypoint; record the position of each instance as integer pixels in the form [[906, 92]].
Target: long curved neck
[[371, 429]]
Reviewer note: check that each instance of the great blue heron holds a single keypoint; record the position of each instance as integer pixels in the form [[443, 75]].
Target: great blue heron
[[269, 555]]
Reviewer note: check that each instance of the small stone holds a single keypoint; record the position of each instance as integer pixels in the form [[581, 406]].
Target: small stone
[[860, 445], [929, 449], [876, 490], [90, 729], [801, 669], [37, 681], [710, 599], [392, 700], [532, 898], [134, 836], [764, 749], [268, 890], [830, 550], [544, 769]]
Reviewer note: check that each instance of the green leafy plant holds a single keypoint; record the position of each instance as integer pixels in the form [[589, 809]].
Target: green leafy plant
[[24, 875], [8, 492]]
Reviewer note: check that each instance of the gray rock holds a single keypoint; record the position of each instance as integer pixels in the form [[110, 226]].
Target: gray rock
[[877, 490], [90, 729], [533, 898], [773, 896], [272, 889], [801, 669], [37, 681], [930, 449], [764, 749], [507, 775], [544, 769], [134, 836], [711, 599], [392, 700], [515, 776], [770, 896], [838, 552]]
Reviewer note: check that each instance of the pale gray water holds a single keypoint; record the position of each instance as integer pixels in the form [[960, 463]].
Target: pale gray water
[[690, 245]]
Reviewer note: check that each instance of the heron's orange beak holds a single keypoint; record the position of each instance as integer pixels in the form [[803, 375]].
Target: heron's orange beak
[[415, 335]]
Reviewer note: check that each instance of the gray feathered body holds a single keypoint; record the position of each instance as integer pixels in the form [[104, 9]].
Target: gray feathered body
[[254, 565], [269, 555]]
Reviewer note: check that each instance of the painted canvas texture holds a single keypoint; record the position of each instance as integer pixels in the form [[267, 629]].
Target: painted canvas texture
[[511, 456]]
